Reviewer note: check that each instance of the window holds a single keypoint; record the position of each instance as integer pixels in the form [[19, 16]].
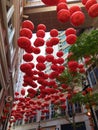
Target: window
[[47, 115], [70, 109], [92, 77], [96, 72], [31, 120], [62, 112], [52, 111], [34, 120], [77, 107], [0, 87]]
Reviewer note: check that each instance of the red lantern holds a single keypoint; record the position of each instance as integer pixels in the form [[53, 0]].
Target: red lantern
[[74, 8], [89, 3], [32, 64], [40, 74], [41, 27], [60, 60], [53, 75], [25, 67], [93, 10], [3, 117], [30, 49], [70, 31], [54, 33], [16, 93], [36, 50], [40, 33], [72, 64], [63, 15], [77, 18], [71, 39], [51, 83], [61, 68], [54, 67], [41, 59], [39, 42], [27, 57], [84, 2], [48, 43], [54, 41], [63, 106], [49, 50], [80, 66], [62, 1], [60, 53], [50, 2], [61, 5], [82, 70], [40, 66], [28, 24], [26, 32], [49, 58], [69, 55], [23, 42], [23, 92]]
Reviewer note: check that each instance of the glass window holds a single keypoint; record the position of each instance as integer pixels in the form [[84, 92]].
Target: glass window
[[96, 72], [52, 111], [92, 77], [77, 107], [70, 109], [62, 112], [0, 87]]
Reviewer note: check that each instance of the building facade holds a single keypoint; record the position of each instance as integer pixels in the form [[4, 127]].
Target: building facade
[[10, 20]]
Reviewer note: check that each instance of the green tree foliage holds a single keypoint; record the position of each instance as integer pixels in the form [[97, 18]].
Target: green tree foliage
[[86, 45]]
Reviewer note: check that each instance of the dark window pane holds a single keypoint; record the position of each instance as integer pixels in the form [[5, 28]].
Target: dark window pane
[[92, 78], [96, 72]]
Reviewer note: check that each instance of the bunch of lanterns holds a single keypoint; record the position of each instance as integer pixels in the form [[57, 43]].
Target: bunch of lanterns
[[34, 74]]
